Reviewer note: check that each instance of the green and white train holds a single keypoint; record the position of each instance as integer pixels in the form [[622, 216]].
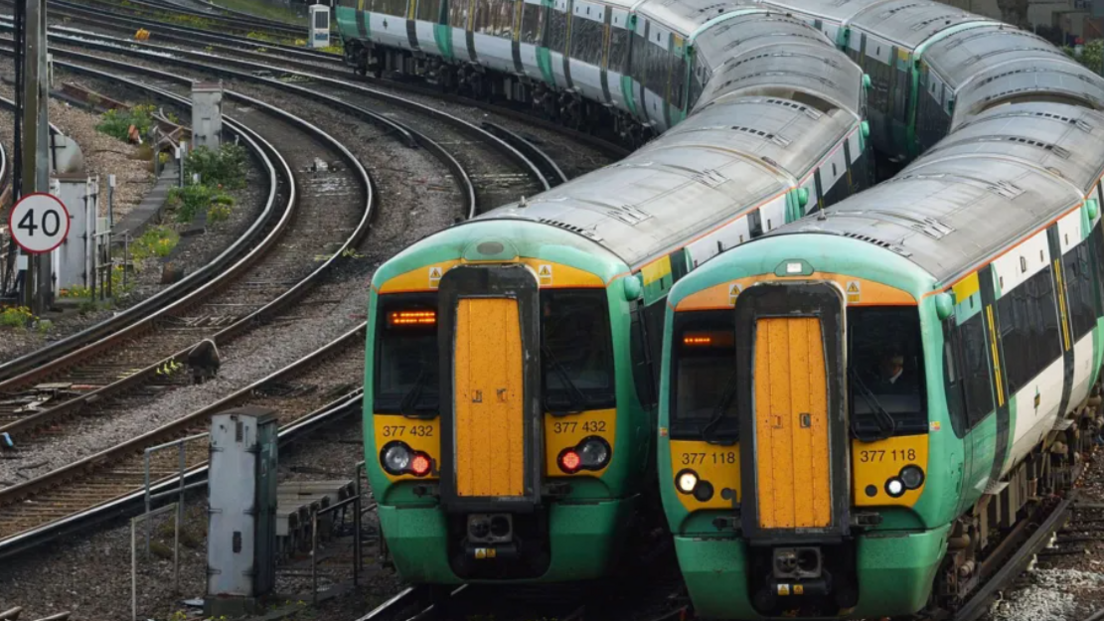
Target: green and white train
[[917, 358]]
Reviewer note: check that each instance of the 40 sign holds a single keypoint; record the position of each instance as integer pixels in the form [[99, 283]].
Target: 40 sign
[[39, 223]]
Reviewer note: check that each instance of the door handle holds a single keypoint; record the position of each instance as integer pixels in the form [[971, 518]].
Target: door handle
[[806, 420], [477, 396]]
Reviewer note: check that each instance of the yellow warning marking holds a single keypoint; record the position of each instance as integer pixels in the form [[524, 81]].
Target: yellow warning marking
[[854, 291]]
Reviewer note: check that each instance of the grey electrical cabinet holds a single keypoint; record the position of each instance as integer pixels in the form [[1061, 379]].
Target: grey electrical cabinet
[[241, 491]]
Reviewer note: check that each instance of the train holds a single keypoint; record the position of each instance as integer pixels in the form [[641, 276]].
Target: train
[[510, 397], [857, 405], [608, 327]]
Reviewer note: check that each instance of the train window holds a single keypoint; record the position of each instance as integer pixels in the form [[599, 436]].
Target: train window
[[977, 381], [406, 360], [952, 378], [638, 57], [576, 350], [703, 380], [1078, 276], [557, 31], [1096, 237], [902, 81], [1029, 329], [619, 50], [458, 13], [494, 17], [429, 11], [887, 371], [678, 83], [658, 68], [390, 7], [586, 40], [532, 23]]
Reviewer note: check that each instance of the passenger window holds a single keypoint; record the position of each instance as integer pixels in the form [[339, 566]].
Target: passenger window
[[619, 50], [886, 371], [1029, 329], [458, 14], [532, 23], [406, 356], [1077, 273], [429, 10], [557, 31], [586, 40]]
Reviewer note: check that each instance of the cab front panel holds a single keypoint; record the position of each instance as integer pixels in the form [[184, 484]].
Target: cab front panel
[[783, 442], [508, 378]]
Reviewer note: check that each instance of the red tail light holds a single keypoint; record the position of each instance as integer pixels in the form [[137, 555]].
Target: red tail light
[[420, 465], [570, 461]]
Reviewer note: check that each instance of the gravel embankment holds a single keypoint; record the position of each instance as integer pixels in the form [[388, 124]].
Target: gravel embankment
[[105, 155]]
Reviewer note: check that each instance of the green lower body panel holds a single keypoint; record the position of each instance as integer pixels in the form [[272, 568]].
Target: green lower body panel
[[895, 574], [585, 540]]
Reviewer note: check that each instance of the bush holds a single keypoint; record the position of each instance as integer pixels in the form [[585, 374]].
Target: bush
[[218, 212], [191, 199], [224, 167], [116, 123], [1092, 55], [158, 241], [16, 317]]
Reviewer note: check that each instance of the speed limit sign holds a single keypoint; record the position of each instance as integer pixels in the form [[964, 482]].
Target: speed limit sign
[[39, 223]]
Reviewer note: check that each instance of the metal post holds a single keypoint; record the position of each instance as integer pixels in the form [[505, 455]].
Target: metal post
[[38, 291], [111, 201], [356, 538], [176, 546], [126, 256], [179, 517], [314, 556], [146, 460], [134, 569]]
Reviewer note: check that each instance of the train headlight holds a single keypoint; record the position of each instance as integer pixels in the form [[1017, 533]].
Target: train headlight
[[594, 453], [396, 458], [895, 487], [686, 481], [912, 477]]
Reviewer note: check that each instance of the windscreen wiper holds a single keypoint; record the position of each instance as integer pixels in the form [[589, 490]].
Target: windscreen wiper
[[576, 397], [710, 428], [410, 399], [886, 425]]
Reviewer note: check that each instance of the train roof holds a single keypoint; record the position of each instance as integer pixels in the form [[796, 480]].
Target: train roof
[[961, 55], [951, 214], [787, 135], [1054, 78], [686, 16], [837, 11], [909, 23], [693, 180], [1067, 141], [799, 61]]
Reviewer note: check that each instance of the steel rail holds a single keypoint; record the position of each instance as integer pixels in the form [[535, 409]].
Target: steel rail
[[269, 309], [979, 602], [480, 133], [238, 23]]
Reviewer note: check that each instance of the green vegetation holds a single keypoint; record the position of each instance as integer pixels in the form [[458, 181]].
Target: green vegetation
[[157, 241], [116, 123], [1092, 55], [16, 317], [224, 168], [263, 9], [188, 201]]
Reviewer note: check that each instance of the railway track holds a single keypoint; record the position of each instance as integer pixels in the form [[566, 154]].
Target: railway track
[[483, 153], [97, 487], [265, 281], [237, 23], [310, 64]]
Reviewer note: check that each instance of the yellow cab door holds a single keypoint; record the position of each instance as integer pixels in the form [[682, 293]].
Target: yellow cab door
[[791, 424], [488, 397]]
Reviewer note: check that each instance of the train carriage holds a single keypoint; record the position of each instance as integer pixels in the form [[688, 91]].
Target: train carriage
[[799, 480], [545, 314]]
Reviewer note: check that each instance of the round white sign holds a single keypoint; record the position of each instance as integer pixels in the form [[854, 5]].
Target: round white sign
[[39, 223]]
